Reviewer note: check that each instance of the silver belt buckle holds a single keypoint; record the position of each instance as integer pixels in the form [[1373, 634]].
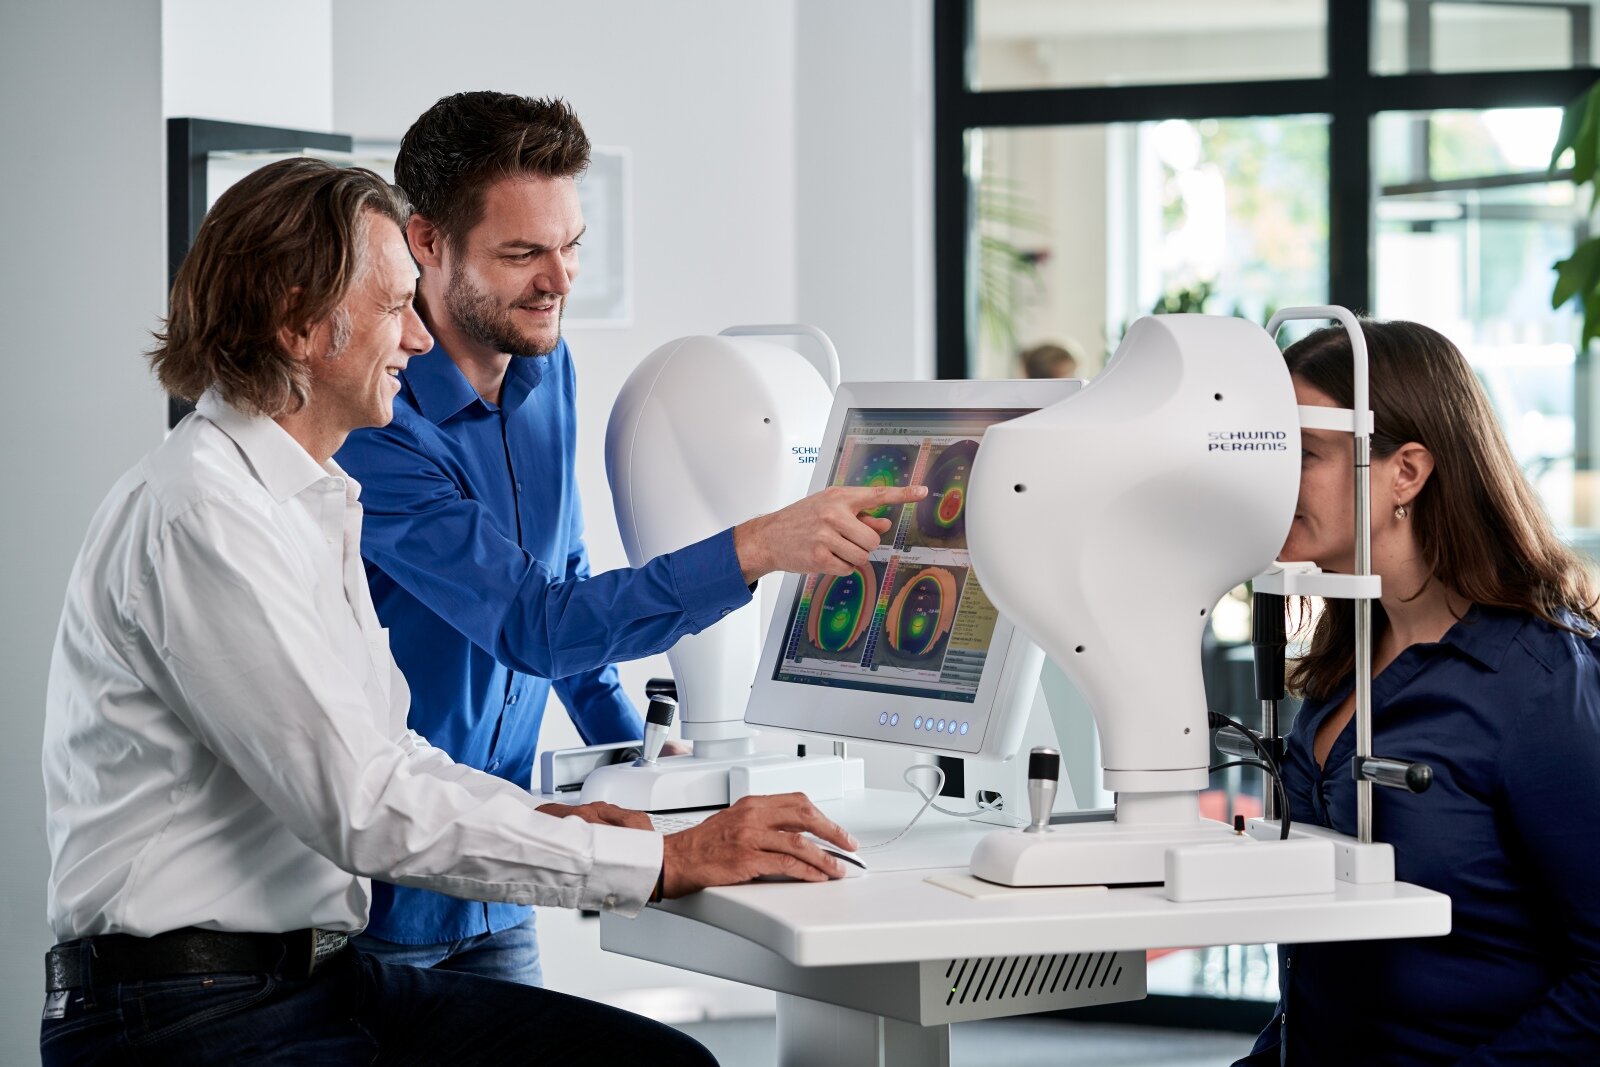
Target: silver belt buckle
[[324, 945]]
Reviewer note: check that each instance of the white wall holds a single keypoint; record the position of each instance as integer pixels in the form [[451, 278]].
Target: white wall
[[80, 288], [239, 61], [864, 195]]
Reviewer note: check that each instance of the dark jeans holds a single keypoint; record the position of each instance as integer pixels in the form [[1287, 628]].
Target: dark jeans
[[357, 1009], [511, 955]]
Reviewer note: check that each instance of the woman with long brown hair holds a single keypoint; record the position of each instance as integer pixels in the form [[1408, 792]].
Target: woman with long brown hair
[[1486, 666]]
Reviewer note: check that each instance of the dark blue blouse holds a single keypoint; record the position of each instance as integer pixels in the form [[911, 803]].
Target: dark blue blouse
[[1506, 709]]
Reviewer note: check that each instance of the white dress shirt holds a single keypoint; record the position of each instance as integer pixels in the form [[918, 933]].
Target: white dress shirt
[[225, 730]]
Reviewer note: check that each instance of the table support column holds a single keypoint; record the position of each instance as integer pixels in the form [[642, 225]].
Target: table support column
[[813, 1034]]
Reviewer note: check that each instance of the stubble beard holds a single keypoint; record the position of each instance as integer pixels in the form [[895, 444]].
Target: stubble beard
[[479, 316]]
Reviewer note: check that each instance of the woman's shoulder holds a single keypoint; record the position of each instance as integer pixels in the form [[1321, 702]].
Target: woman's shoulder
[[1548, 689], [1554, 671], [1574, 644]]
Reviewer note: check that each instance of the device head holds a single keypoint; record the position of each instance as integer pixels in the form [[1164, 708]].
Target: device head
[[706, 433], [1107, 526]]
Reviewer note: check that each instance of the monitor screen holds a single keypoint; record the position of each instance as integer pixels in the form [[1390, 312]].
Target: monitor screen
[[905, 649], [914, 619]]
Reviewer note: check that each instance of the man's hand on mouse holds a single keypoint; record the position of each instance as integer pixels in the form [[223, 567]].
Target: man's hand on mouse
[[828, 532], [758, 836]]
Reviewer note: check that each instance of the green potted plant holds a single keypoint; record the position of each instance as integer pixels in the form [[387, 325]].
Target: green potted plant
[[1578, 276]]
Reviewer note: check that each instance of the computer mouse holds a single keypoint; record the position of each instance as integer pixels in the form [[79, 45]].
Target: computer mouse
[[854, 866]]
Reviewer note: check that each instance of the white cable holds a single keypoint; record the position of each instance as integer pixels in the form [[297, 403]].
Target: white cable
[[927, 802]]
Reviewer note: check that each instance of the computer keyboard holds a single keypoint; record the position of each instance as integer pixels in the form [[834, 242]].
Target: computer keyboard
[[672, 822]]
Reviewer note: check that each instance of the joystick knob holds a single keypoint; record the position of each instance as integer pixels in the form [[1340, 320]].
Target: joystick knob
[[1044, 771], [657, 723]]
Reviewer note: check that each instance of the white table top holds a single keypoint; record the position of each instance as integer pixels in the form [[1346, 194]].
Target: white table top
[[895, 914]]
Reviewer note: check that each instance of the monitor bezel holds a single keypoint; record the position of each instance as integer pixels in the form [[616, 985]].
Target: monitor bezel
[[1013, 663]]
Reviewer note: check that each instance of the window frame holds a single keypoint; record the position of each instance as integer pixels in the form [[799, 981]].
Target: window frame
[[1350, 95]]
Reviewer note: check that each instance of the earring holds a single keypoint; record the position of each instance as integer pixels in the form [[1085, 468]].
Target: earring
[[1401, 511]]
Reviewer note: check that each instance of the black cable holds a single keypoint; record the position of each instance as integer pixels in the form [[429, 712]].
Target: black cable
[[1255, 763], [1269, 764]]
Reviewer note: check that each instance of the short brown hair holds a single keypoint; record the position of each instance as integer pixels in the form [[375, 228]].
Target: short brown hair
[[1479, 526], [466, 142], [1048, 360], [280, 248]]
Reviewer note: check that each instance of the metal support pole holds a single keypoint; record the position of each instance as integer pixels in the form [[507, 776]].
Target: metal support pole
[[1363, 680], [1361, 449]]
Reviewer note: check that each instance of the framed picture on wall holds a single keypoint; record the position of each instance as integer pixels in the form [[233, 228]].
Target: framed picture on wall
[[603, 295]]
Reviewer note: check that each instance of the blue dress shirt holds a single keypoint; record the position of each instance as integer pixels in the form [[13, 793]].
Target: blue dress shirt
[[473, 540], [1506, 709]]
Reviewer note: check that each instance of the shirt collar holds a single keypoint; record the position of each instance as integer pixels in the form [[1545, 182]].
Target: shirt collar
[[442, 391], [1485, 634], [283, 466], [438, 386]]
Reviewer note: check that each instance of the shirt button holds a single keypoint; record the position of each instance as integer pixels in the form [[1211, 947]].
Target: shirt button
[[726, 612], [512, 699], [494, 766], [611, 900]]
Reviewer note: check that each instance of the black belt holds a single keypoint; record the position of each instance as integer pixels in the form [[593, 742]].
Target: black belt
[[116, 958]]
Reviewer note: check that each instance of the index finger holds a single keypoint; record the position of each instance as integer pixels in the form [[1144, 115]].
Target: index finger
[[862, 497]]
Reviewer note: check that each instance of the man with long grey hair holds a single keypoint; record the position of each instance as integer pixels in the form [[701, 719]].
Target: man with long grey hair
[[226, 756]]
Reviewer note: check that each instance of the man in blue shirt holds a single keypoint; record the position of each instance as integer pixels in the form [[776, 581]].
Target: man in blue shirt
[[473, 535]]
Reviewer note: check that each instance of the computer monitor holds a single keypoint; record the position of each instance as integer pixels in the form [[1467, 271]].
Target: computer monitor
[[906, 650]]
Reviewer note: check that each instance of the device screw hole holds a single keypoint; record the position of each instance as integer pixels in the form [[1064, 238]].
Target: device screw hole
[[767, 420], [1078, 649], [1019, 488], [1185, 729], [1217, 396], [1202, 611]]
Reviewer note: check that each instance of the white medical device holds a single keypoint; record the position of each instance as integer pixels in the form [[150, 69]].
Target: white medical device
[[706, 433], [1190, 446], [1198, 431], [908, 650]]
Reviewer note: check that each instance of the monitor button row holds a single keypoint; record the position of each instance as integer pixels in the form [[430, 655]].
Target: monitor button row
[[941, 726]]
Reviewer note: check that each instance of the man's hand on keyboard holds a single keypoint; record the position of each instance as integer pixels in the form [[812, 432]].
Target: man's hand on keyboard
[[601, 812], [758, 836]]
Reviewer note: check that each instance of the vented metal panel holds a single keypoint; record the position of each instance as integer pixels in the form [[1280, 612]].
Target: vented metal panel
[[976, 988]]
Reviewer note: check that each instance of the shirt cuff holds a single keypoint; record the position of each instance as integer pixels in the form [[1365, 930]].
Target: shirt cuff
[[709, 582], [623, 875]]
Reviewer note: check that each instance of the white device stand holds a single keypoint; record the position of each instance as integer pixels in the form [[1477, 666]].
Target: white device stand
[[706, 433], [1157, 835], [1359, 859]]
